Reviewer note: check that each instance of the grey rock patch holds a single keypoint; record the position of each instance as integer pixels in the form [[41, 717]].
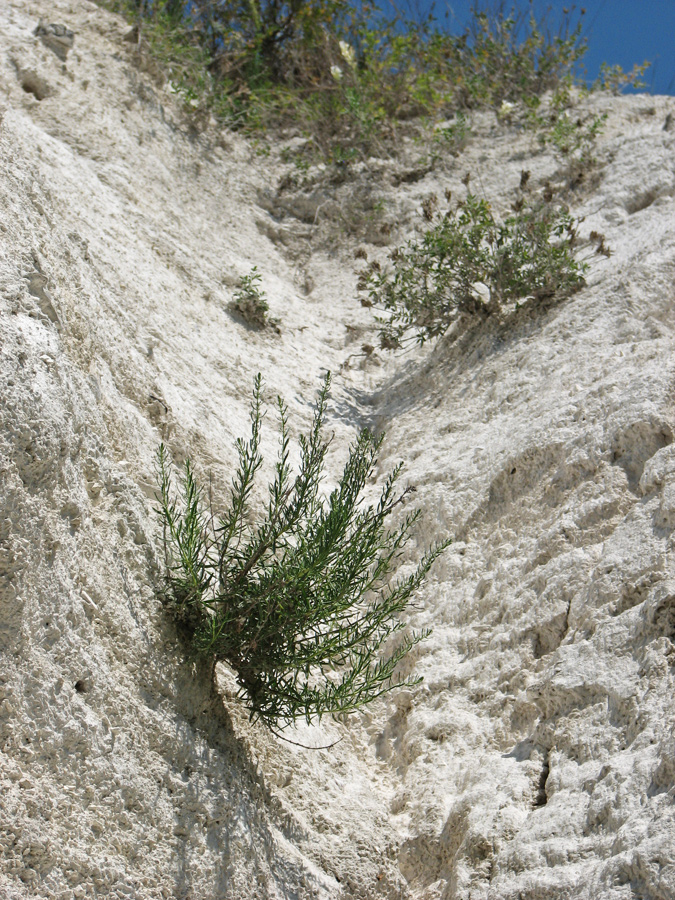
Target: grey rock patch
[[57, 37]]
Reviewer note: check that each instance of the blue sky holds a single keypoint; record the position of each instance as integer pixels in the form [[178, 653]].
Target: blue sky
[[618, 31]]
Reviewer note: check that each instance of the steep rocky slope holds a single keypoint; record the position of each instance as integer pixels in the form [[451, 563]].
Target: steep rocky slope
[[537, 759]]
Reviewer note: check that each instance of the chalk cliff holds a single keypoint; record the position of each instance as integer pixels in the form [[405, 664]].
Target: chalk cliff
[[537, 758]]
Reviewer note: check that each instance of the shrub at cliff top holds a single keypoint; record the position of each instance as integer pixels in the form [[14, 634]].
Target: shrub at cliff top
[[346, 75]]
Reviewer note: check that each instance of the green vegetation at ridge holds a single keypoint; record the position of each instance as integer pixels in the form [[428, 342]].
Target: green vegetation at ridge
[[345, 76]]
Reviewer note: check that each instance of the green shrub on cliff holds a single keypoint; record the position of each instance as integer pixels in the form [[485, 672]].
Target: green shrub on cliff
[[470, 263], [300, 601]]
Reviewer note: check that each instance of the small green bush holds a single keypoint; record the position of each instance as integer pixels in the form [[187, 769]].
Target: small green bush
[[615, 80], [468, 262], [513, 57], [454, 137], [557, 124], [250, 302], [301, 602]]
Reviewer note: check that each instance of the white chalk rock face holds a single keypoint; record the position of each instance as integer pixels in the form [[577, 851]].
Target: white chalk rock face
[[537, 758]]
